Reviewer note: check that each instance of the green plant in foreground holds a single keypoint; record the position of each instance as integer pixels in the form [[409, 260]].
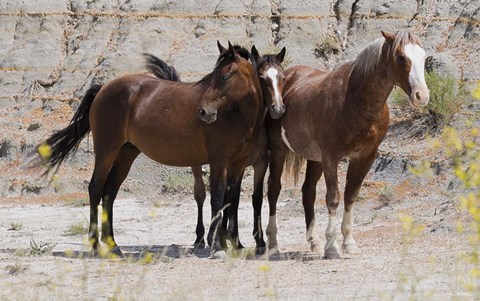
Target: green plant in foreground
[[77, 228], [15, 269], [464, 151], [15, 226], [446, 97], [36, 249]]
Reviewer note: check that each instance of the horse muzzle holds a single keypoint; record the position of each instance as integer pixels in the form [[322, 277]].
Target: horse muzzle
[[207, 116], [277, 111], [419, 98]]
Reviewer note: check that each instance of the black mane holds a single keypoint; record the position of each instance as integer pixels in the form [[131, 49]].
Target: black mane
[[160, 69], [224, 59]]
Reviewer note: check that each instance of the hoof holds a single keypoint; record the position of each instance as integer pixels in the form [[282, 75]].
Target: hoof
[[260, 250], [316, 247], [94, 253], [351, 249], [116, 252], [239, 246], [218, 255], [199, 245], [332, 253], [273, 250]]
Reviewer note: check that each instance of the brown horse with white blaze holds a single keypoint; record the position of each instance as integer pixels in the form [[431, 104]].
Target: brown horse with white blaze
[[341, 114], [271, 73], [215, 121]]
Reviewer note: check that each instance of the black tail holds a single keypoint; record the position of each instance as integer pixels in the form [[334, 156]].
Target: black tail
[[160, 69], [60, 145]]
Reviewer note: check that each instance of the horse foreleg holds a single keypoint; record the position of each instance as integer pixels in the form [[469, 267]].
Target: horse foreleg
[[277, 158], [313, 173], [235, 175], [259, 169], [332, 250], [357, 170], [199, 195], [116, 176], [218, 185]]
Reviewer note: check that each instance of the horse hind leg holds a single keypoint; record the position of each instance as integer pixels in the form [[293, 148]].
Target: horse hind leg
[[116, 176], [200, 196], [309, 190], [357, 170], [103, 162], [332, 250]]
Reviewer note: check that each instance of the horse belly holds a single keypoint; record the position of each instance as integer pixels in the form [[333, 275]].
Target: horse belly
[[302, 144], [173, 151]]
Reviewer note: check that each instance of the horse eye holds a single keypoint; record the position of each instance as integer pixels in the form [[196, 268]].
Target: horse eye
[[401, 58], [226, 76]]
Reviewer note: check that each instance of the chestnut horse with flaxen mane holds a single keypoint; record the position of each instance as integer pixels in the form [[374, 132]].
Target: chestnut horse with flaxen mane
[[215, 121], [336, 115]]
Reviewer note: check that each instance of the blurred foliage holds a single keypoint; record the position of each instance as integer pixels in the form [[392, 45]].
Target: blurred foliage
[[463, 149], [446, 98]]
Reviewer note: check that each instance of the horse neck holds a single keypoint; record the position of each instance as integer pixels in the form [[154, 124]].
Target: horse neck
[[367, 94]]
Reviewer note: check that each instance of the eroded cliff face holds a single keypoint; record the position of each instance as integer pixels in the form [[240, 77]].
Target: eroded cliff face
[[52, 51]]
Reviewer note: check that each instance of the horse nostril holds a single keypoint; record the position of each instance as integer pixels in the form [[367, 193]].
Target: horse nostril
[[272, 108], [283, 107], [418, 96], [202, 112]]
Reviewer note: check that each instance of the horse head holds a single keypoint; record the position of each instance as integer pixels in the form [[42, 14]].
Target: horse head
[[233, 80], [408, 64], [272, 80]]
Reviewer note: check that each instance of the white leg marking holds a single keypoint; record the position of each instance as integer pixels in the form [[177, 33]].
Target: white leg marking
[[332, 250], [349, 245], [272, 234], [313, 238], [284, 138]]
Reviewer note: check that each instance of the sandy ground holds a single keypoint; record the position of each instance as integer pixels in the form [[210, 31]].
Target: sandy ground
[[387, 269]]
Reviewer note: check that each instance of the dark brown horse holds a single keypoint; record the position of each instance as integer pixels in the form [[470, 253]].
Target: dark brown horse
[[272, 77], [341, 114], [215, 121]]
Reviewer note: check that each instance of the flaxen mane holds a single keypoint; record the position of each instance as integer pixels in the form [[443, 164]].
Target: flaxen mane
[[370, 57]]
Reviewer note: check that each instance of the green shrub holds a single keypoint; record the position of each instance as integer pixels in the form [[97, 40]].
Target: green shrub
[[446, 97]]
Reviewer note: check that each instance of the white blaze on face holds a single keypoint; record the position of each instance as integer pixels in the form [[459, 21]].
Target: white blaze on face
[[277, 97], [417, 74]]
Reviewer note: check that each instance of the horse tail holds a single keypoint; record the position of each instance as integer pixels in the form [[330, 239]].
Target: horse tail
[[160, 69], [53, 151], [293, 165]]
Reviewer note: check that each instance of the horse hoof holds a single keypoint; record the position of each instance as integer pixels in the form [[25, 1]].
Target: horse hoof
[[221, 254], [115, 252], [273, 250], [260, 250], [199, 245], [332, 253], [351, 249], [94, 253], [239, 246], [316, 248]]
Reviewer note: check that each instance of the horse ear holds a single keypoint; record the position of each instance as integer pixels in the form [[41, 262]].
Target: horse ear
[[390, 37], [255, 53], [233, 51], [221, 48], [281, 55]]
